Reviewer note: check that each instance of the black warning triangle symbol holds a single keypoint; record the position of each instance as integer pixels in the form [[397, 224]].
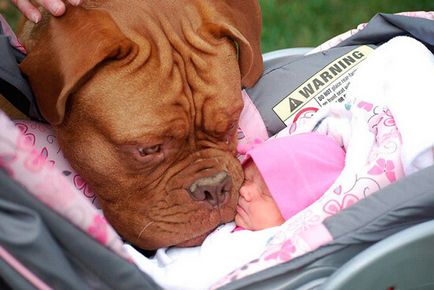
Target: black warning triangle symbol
[[294, 104]]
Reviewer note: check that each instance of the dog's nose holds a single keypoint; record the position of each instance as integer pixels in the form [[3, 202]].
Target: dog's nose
[[213, 189]]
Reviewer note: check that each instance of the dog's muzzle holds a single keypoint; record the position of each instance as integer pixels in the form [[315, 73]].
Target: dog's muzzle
[[213, 189]]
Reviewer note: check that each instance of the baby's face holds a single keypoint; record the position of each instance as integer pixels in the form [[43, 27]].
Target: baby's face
[[256, 209]]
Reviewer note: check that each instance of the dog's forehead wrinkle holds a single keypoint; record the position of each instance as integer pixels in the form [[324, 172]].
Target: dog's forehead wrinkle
[[147, 29], [174, 36], [194, 38]]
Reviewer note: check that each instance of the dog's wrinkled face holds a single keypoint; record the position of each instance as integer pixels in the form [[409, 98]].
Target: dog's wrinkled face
[[143, 154], [148, 118]]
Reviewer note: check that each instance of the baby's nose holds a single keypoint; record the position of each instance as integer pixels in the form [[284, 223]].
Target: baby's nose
[[245, 192]]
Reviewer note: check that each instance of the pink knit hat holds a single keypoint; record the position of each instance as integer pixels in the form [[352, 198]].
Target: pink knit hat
[[298, 169]]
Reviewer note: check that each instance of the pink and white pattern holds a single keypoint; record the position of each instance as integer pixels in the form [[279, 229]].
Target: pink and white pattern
[[43, 137], [36, 169]]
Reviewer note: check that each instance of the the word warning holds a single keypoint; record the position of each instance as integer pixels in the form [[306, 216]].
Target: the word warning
[[326, 86]]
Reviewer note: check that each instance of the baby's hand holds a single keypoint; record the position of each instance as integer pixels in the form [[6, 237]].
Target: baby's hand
[[55, 7]]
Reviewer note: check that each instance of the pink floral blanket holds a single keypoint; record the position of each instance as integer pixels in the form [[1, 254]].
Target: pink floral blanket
[[29, 154]]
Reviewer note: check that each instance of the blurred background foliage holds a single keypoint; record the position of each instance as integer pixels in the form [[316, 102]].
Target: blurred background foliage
[[9, 12], [295, 23]]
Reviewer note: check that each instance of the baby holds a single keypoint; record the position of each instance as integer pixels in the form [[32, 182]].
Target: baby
[[285, 175]]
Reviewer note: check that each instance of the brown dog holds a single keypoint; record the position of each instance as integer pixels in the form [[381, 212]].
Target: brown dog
[[145, 99]]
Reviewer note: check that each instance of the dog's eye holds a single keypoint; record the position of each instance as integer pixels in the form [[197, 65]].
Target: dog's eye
[[144, 151]]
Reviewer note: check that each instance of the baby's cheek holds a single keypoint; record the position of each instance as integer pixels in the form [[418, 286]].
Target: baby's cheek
[[274, 216]]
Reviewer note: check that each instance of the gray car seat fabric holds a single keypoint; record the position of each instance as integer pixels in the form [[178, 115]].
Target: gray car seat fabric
[[402, 261], [13, 86], [399, 206], [15, 280], [55, 250], [24, 234], [383, 27]]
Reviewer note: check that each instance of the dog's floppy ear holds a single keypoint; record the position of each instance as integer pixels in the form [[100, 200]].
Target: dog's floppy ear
[[243, 24], [67, 50]]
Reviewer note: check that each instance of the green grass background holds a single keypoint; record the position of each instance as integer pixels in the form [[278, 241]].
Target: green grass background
[[295, 23]]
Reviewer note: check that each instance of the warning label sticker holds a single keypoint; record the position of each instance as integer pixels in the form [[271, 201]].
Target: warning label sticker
[[328, 85]]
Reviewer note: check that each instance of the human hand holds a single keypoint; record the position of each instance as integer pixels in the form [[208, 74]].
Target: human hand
[[55, 7]]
